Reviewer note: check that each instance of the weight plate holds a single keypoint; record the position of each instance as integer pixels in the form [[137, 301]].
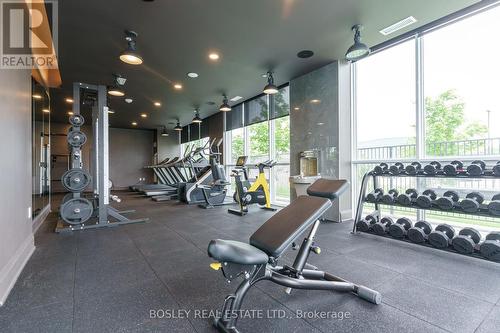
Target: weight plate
[[496, 197], [424, 201], [450, 170], [447, 229], [76, 180], [445, 203], [469, 205], [76, 120], [463, 244], [453, 195], [404, 200], [67, 197], [494, 207], [76, 211], [397, 231], [76, 138], [496, 170], [490, 249], [471, 233], [416, 235], [494, 235], [425, 226], [474, 170], [439, 239], [430, 169], [363, 226], [387, 198], [476, 196]]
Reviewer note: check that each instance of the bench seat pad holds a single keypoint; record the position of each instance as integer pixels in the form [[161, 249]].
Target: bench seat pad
[[236, 252]]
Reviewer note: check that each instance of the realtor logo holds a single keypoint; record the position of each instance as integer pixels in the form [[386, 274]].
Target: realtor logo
[[28, 34]]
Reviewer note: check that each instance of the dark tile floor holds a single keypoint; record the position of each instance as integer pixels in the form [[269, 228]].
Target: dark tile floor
[[109, 280]]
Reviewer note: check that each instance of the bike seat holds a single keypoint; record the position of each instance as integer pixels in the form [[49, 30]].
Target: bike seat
[[236, 252]]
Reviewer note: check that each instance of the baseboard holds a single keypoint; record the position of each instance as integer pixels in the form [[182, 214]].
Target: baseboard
[[10, 273], [38, 221]]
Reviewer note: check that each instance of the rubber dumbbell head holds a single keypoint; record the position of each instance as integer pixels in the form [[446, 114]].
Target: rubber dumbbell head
[[441, 236], [494, 205], [490, 248], [419, 232], [406, 198], [496, 169], [466, 240], [390, 197], [448, 200], [400, 228], [476, 168], [413, 168], [381, 228], [472, 202], [453, 168], [375, 195], [381, 168], [396, 168], [432, 168], [426, 198], [366, 223]]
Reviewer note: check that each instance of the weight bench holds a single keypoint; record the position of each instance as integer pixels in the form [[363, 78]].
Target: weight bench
[[259, 260]]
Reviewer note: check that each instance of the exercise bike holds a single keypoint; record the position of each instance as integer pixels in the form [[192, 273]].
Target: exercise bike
[[246, 193]]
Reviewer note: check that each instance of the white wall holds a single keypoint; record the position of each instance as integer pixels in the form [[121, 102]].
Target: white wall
[[16, 237]]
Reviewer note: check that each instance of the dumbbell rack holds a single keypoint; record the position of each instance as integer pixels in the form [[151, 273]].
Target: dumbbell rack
[[371, 175]]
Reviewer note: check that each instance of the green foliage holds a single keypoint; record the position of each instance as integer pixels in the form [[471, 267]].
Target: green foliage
[[445, 122]]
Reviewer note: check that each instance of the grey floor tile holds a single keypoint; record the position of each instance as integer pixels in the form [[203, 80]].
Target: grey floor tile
[[491, 323], [433, 304]]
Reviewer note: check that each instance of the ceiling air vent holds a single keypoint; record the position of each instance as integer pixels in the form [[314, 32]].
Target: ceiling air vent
[[398, 25]]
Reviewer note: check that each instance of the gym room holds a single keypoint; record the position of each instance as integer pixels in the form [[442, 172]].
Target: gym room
[[249, 166]]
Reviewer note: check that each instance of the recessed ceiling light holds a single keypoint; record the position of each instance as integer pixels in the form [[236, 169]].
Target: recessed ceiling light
[[192, 75], [134, 123], [213, 56], [236, 98], [296, 108], [315, 101], [70, 113], [157, 104], [46, 110], [304, 54], [69, 100], [398, 25], [143, 115], [37, 96], [178, 86], [320, 124], [128, 100]]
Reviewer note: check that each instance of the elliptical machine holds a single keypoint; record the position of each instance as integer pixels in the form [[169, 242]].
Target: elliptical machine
[[246, 193]]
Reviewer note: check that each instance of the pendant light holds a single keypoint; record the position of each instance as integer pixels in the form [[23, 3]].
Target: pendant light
[[225, 105], [270, 88], [178, 127], [164, 131], [117, 88], [358, 50], [197, 119], [130, 55]]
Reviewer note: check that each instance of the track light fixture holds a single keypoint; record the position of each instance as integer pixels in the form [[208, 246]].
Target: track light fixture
[[164, 131], [225, 104], [178, 127], [130, 55], [197, 119], [270, 88], [117, 88], [358, 50]]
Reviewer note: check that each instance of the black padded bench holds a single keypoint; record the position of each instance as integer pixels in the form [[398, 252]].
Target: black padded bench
[[258, 259]]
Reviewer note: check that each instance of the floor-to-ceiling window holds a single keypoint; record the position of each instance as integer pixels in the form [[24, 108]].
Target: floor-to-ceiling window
[[432, 97], [260, 129]]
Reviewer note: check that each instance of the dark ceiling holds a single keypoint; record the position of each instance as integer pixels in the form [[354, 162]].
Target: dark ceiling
[[175, 38]]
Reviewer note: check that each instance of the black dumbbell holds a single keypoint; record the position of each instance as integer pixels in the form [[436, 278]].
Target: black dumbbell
[[390, 196], [381, 168], [476, 168], [413, 168], [496, 169], [448, 200], [453, 168], [400, 228], [426, 198], [375, 195], [396, 168], [366, 223], [494, 205], [466, 240], [419, 232], [490, 248], [472, 202], [441, 236], [432, 168], [406, 198], [381, 228]]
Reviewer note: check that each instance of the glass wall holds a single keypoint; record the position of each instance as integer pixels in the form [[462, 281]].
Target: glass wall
[[431, 98], [40, 109], [260, 129]]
